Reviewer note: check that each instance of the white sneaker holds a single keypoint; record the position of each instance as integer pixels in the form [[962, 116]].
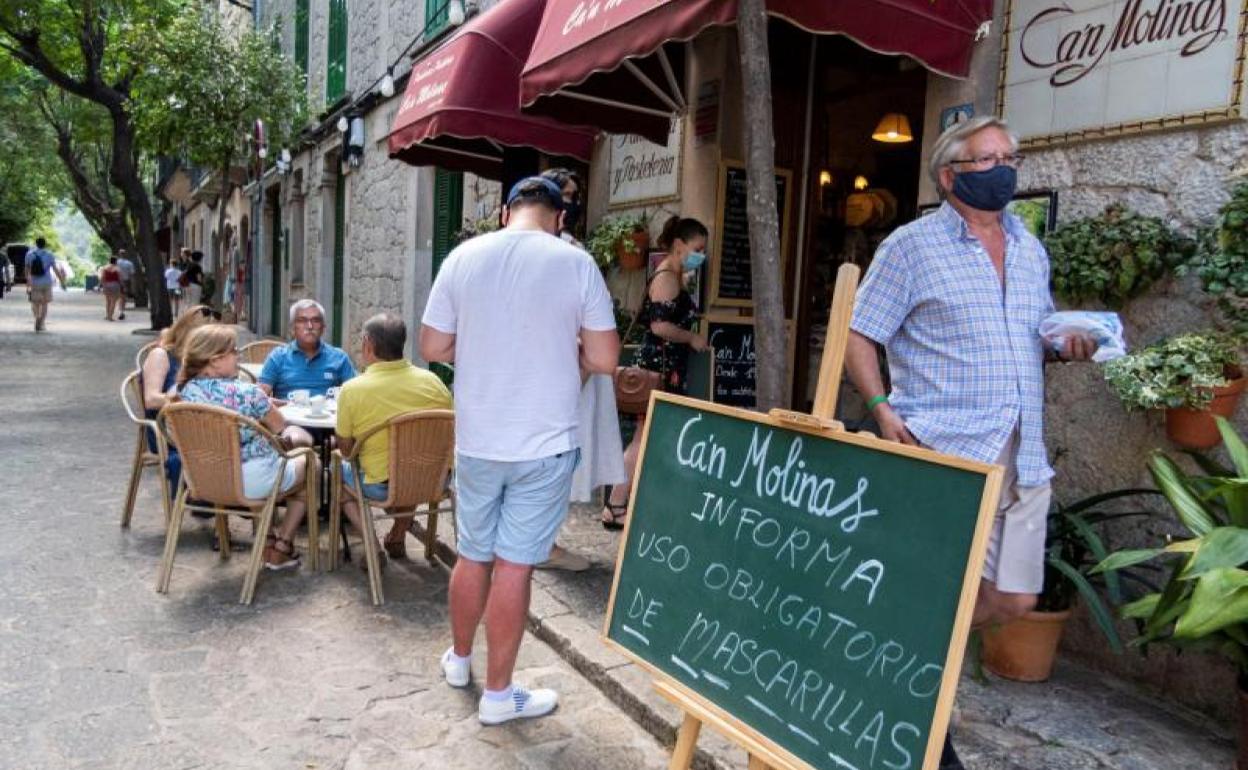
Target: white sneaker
[[457, 673], [523, 704]]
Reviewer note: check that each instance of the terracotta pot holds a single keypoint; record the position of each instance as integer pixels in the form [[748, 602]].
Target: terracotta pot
[[1024, 650], [1195, 429], [636, 259]]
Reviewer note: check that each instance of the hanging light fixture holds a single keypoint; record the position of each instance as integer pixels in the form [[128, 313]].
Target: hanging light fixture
[[894, 128], [825, 178], [387, 83], [342, 124], [861, 183]]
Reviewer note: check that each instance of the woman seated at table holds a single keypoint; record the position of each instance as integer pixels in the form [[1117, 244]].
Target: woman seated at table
[[210, 376], [160, 374]]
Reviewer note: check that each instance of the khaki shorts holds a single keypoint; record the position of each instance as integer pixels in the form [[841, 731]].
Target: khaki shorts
[[1015, 558], [40, 293]]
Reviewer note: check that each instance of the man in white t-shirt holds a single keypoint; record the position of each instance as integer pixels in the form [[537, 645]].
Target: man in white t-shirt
[[521, 314]]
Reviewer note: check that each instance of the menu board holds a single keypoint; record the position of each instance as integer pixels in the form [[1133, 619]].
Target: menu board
[[734, 379], [816, 587], [731, 282]]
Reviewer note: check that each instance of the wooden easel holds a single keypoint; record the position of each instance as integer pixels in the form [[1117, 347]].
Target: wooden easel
[[696, 710]]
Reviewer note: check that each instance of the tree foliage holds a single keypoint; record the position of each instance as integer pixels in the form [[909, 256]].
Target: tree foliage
[[29, 179]]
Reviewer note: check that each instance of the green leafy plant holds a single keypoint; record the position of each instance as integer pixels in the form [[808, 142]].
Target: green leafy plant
[[1222, 259], [630, 333], [1204, 603], [474, 227], [1177, 372], [1073, 548], [1113, 257], [610, 233]]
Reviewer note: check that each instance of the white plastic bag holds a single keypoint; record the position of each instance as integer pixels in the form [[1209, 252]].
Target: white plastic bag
[[1104, 327]]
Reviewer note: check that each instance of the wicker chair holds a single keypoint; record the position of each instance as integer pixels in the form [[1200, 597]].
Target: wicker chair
[[212, 473], [256, 352], [141, 354], [422, 446], [132, 400]]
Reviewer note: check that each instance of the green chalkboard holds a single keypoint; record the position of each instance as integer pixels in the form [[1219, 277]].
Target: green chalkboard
[[817, 587]]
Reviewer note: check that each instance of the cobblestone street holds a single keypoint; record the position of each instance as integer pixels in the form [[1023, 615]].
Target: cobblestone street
[[99, 671]]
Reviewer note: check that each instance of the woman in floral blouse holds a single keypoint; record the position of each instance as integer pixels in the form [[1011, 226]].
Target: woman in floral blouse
[[209, 375]]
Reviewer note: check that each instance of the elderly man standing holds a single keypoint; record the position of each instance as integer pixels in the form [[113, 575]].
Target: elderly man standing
[[389, 386], [521, 313], [956, 299]]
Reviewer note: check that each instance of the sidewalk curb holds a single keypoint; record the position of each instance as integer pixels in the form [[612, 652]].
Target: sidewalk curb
[[626, 685]]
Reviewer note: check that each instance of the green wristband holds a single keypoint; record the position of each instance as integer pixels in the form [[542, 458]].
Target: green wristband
[[873, 403]]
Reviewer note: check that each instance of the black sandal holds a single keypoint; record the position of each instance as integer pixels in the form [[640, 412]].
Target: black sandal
[[618, 514]]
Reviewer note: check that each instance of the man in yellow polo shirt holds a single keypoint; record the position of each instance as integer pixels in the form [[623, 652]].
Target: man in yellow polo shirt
[[390, 385]]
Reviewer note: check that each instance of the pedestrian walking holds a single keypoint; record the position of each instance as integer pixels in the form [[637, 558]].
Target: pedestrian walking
[[956, 299], [173, 285], [127, 273], [41, 270], [193, 280], [521, 314], [110, 284], [6, 275]]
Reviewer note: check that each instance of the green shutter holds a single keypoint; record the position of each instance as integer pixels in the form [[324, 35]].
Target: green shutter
[[437, 13], [336, 61], [301, 35], [448, 211]]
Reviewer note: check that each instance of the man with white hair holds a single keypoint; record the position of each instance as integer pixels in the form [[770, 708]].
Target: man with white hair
[[956, 299], [307, 362]]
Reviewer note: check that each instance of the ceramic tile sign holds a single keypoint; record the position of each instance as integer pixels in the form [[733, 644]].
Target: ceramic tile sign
[[1078, 69], [642, 171]]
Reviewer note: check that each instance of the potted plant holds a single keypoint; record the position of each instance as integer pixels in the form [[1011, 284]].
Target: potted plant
[[1204, 604], [1113, 257], [620, 240], [1025, 649], [1191, 376]]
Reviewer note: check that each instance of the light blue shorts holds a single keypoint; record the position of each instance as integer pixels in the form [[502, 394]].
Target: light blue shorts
[[512, 510], [259, 474], [376, 491]]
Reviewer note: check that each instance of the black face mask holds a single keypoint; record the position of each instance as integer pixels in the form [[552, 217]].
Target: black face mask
[[571, 214], [990, 190]]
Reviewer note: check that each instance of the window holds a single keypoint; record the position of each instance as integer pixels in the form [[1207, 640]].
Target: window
[[448, 211], [336, 60], [437, 13], [301, 35]]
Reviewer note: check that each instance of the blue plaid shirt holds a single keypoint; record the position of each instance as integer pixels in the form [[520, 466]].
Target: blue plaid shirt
[[966, 359]]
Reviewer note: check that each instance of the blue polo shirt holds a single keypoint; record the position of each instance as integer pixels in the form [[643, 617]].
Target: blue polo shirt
[[287, 368]]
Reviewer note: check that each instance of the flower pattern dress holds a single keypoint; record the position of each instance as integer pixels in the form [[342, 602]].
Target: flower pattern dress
[[671, 359], [242, 397]]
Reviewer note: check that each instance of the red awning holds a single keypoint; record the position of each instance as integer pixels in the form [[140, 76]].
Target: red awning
[[615, 59], [462, 101]]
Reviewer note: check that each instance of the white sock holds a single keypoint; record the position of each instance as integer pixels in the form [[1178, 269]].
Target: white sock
[[499, 695], [460, 658]]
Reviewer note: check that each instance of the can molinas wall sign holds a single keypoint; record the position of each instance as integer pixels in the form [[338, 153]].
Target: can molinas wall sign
[[1084, 68]]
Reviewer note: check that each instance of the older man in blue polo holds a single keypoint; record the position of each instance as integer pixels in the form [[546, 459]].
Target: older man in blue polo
[[305, 363], [956, 299]]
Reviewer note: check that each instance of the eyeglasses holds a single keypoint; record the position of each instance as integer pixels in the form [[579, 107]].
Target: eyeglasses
[[985, 162], [310, 321]]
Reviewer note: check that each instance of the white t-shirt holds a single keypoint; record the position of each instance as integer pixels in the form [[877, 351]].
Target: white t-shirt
[[172, 274], [126, 267], [516, 301]]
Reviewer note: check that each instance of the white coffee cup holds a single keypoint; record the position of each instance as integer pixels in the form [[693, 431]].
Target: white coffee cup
[[316, 405], [300, 397]]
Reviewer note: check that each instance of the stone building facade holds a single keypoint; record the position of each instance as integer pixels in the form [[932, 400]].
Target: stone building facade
[[373, 251]]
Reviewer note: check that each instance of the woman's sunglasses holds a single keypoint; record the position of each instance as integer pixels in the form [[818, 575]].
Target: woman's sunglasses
[[208, 312]]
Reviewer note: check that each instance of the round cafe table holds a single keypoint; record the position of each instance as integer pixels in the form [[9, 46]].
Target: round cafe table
[[321, 426]]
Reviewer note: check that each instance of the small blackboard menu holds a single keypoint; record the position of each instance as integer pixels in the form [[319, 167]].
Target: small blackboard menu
[[731, 283], [733, 378], [815, 587]]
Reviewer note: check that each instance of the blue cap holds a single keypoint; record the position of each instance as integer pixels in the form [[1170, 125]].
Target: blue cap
[[540, 185]]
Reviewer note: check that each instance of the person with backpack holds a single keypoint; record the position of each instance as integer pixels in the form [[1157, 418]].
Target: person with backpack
[[127, 274], [41, 268]]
